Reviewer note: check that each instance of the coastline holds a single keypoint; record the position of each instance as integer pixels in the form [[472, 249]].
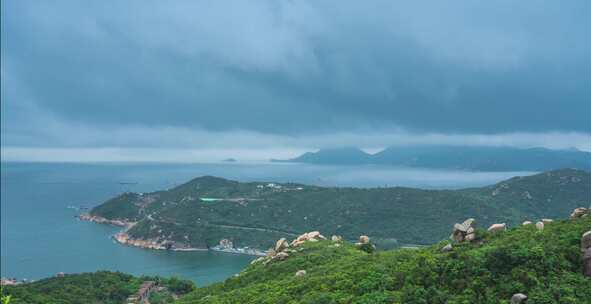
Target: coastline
[[124, 239], [102, 220]]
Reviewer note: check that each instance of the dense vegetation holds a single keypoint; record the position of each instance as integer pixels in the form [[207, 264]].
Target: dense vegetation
[[88, 288], [546, 265], [391, 216], [455, 157]]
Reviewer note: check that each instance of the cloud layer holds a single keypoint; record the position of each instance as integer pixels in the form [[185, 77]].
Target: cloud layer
[[294, 73]]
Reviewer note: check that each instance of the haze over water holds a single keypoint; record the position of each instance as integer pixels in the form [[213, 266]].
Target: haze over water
[[41, 236]]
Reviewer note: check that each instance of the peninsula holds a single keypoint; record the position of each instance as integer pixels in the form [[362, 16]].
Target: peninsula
[[215, 213]]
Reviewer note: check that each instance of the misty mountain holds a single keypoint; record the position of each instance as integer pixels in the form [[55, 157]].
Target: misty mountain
[[454, 157], [335, 156]]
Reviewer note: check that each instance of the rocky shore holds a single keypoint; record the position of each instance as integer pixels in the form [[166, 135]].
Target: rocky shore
[[124, 238], [102, 220]]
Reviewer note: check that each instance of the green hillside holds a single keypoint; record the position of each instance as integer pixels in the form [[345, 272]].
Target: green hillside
[[545, 265], [101, 287], [254, 214]]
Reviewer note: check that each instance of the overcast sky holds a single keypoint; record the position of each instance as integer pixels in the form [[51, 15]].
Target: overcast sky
[[274, 78]]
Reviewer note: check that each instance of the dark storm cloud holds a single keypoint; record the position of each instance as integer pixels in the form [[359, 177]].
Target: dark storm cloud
[[294, 67]]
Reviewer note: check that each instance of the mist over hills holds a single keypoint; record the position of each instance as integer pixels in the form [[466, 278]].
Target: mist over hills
[[454, 157]]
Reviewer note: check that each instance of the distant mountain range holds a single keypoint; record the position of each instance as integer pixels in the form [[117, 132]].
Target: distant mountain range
[[454, 157]]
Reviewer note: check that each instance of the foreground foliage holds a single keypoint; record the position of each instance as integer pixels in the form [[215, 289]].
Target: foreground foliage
[[546, 265], [100, 287]]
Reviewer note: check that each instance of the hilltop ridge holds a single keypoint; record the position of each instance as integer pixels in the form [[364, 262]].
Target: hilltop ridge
[[454, 157], [207, 211]]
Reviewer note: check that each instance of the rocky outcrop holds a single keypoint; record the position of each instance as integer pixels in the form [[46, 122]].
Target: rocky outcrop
[[281, 245], [273, 255], [313, 236], [518, 298], [579, 212], [447, 248], [464, 231], [496, 228], [300, 273], [364, 239], [336, 238], [281, 256], [365, 245], [283, 248]]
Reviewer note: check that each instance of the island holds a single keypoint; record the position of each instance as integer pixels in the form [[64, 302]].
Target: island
[[473, 158]]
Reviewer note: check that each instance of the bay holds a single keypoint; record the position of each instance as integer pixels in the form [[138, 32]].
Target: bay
[[40, 235]]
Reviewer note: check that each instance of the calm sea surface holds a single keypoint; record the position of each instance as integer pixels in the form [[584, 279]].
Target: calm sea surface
[[40, 235]]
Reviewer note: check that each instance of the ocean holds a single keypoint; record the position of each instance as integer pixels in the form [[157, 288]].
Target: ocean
[[40, 235]]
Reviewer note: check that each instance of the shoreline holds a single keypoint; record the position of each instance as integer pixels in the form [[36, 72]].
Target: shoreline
[[124, 239], [102, 220]]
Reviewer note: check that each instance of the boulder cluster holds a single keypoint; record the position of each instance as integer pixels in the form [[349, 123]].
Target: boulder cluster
[[283, 248], [313, 236], [495, 228], [540, 224], [465, 231]]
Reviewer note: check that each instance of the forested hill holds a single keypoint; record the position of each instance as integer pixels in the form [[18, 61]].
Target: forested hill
[[102, 287], [207, 209], [544, 265]]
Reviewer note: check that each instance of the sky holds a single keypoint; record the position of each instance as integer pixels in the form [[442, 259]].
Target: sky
[[206, 80]]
